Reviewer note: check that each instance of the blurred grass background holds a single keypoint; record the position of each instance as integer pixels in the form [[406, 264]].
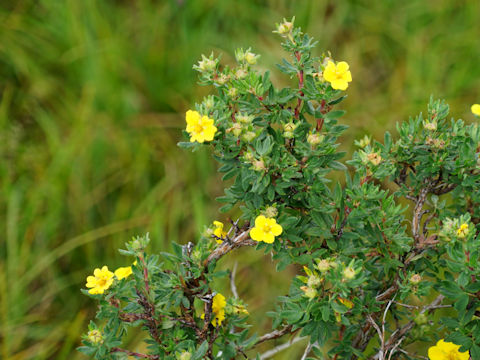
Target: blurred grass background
[[92, 95]]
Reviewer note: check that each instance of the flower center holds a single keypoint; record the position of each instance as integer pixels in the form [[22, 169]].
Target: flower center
[[198, 128], [102, 282], [267, 228]]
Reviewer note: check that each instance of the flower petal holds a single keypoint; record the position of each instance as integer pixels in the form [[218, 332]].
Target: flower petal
[[260, 221], [256, 234], [342, 66], [268, 238], [339, 84], [277, 229]]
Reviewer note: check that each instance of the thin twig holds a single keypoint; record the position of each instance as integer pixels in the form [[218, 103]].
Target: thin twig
[[136, 354], [274, 334], [243, 239], [399, 334], [307, 351], [277, 349], [379, 356], [233, 287], [412, 355]]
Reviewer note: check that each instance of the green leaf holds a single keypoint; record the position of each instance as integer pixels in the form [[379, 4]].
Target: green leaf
[[201, 351]]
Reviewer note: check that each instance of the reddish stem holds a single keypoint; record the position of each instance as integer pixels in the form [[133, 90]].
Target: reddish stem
[[145, 274], [131, 353], [300, 86]]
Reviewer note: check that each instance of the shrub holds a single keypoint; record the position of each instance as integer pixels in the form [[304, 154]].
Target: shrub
[[389, 256]]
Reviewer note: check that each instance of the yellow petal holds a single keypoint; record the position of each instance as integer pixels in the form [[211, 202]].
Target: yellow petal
[[192, 117], [96, 291], [339, 84], [330, 66], [206, 121], [476, 109], [209, 133], [277, 229], [260, 221], [434, 353], [347, 76], [342, 66], [123, 272], [256, 234], [268, 238]]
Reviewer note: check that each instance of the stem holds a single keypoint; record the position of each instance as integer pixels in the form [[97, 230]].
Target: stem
[[300, 86], [132, 353], [274, 334], [243, 239]]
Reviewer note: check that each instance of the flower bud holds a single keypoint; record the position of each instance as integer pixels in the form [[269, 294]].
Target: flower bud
[[431, 126], [315, 139], [323, 265], [251, 58], [348, 273], [248, 156], [249, 136], [313, 281], [95, 336], [232, 92], [240, 74], [363, 142], [222, 79], [236, 129], [184, 356], [136, 245], [285, 27], [415, 279], [374, 158], [206, 64], [259, 165], [244, 118], [271, 212], [288, 129], [309, 292]]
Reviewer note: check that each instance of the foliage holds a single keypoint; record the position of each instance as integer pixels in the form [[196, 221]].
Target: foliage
[[372, 277], [90, 96]]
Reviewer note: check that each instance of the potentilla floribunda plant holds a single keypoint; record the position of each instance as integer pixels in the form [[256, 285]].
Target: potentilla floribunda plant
[[390, 255]]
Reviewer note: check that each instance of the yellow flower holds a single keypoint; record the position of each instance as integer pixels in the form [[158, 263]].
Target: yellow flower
[[218, 310], [446, 351], [95, 336], [265, 229], [101, 280], [462, 231], [476, 109], [200, 127], [123, 272], [337, 75], [219, 232]]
